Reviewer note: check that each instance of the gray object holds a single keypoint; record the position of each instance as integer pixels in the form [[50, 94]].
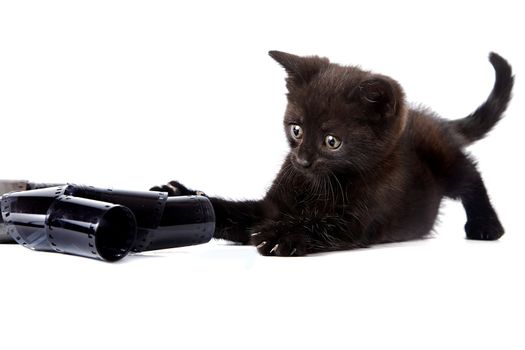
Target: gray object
[[7, 186]]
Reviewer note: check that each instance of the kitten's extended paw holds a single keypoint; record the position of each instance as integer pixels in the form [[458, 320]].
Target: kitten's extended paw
[[175, 188], [486, 229], [270, 243]]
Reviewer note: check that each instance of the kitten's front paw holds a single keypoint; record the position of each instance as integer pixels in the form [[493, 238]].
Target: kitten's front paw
[[175, 188], [270, 243], [486, 229]]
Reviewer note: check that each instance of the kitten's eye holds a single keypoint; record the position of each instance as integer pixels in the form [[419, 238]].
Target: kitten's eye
[[297, 131], [332, 142]]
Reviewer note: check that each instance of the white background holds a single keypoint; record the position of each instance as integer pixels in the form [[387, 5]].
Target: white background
[[130, 94]]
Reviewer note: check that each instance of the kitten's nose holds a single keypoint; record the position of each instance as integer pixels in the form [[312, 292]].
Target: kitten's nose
[[305, 163]]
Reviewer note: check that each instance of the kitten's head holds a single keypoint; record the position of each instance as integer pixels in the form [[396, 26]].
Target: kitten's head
[[339, 119]]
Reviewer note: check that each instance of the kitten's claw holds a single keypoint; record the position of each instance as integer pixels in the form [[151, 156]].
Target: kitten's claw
[[270, 243], [173, 188]]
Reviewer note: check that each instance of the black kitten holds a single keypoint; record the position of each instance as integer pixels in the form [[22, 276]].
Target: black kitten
[[363, 168]]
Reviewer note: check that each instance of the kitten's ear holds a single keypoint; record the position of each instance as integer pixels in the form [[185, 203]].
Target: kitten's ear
[[381, 95], [300, 69]]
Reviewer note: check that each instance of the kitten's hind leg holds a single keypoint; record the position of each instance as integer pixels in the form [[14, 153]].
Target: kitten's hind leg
[[482, 220]]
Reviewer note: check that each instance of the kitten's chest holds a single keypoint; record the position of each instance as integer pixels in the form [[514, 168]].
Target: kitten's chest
[[329, 197], [313, 200]]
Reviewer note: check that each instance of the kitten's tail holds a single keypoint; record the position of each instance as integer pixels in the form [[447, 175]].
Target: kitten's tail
[[476, 125]]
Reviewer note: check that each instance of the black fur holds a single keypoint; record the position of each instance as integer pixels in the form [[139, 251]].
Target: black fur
[[363, 167], [479, 123]]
